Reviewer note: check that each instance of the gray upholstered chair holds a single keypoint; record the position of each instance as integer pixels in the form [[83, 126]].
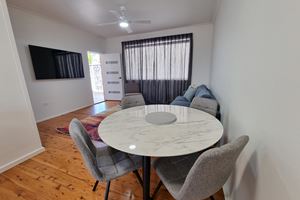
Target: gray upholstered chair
[[198, 177], [132, 100], [104, 163], [207, 105]]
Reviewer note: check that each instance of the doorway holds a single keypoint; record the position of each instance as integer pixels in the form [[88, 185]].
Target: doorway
[[96, 76]]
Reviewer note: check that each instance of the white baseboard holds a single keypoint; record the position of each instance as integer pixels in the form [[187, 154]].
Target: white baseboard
[[21, 159], [60, 114]]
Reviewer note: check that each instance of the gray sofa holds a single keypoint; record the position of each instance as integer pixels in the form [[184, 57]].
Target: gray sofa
[[202, 92]]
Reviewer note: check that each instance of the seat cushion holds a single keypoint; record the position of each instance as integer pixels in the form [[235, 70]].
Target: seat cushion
[[113, 163], [181, 101], [173, 170], [181, 98]]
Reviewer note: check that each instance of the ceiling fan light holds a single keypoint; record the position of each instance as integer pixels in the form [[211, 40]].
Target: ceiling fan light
[[123, 24]]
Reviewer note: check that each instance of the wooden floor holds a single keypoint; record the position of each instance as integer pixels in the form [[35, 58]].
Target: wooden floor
[[59, 172]]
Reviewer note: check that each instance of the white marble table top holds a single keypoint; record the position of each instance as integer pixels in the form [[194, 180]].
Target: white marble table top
[[128, 131]]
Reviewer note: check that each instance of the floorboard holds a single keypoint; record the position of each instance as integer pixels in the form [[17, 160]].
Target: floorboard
[[59, 172]]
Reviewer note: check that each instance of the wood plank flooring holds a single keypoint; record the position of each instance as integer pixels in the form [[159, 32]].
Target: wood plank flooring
[[59, 172]]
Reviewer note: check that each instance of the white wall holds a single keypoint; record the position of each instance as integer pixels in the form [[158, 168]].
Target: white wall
[[53, 97], [202, 35], [255, 76], [19, 138]]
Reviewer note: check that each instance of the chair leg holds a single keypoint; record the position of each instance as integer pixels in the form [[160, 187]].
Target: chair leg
[[107, 190], [95, 186], [156, 189], [212, 198], [138, 177]]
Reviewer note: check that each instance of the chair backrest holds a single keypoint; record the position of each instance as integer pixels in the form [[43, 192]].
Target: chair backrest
[[86, 147], [207, 105], [132, 101], [211, 170]]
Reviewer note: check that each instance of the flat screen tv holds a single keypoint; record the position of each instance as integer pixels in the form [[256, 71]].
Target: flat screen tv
[[55, 64]]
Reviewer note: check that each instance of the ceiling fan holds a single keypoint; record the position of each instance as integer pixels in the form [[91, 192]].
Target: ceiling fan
[[123, 21]]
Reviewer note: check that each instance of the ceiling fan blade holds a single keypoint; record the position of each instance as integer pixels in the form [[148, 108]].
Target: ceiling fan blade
[[108, 23], [140, 21], [128, 29], [115, 13]]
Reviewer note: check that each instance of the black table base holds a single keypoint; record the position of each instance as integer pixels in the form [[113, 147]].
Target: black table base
[[146, 177]]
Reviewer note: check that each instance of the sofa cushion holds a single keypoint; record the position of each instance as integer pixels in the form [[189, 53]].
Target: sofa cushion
[[204, 92], [190, 93], [180, 98], [131, 87], [181, 101]]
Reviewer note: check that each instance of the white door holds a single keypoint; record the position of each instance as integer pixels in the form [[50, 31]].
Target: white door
[[112, 76]]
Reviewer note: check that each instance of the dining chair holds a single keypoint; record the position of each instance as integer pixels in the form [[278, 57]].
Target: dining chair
[[132, 100], [207, 105], [198, 177], [104, 163]]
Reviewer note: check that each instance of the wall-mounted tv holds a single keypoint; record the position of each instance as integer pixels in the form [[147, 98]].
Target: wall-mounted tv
[[55, 64]]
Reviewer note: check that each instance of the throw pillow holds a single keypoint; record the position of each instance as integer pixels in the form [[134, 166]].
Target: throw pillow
[[190, 93], [203, 91]]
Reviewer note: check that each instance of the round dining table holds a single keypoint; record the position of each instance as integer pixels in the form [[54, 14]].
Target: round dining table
[[159, 131]]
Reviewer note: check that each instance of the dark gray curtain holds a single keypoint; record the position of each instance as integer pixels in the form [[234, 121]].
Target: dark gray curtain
[[161, 66]]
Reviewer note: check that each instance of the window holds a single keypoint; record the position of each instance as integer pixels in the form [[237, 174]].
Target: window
[[158, 58], [163, 62]]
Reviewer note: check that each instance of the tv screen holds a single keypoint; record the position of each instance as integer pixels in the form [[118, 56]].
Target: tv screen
[[55, 64]]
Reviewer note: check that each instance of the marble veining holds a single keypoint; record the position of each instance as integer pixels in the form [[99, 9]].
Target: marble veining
[[128, 131]]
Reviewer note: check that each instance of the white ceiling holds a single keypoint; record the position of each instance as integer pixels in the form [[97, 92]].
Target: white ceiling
[[85, 14]]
